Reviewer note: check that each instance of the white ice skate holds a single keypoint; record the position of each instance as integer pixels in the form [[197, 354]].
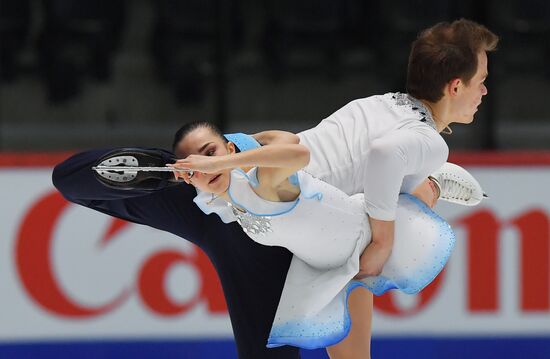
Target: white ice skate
[[456, 185]]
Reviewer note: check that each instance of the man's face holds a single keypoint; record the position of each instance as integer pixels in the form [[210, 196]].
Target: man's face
[[468, 97], [202, 141]]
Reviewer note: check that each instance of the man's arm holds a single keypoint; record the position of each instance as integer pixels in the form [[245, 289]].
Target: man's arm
[[166, 208], [390, 159], [379, 249]]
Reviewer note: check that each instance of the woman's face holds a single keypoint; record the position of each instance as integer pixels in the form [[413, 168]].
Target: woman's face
[[203, 141]]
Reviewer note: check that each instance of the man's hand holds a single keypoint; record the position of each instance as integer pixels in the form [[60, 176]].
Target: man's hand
[[378, 251], [372, 260]]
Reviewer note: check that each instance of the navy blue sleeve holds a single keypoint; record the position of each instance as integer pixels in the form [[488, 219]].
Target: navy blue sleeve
[[168, 208]]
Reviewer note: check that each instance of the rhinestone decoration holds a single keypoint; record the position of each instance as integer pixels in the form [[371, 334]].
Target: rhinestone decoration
[[403, 99], [250, 223]]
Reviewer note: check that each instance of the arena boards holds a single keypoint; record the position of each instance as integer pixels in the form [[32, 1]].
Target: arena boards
[[74, 282]]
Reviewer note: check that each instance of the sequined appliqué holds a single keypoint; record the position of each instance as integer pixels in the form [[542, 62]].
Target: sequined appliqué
[[414, 105], [250, 223]]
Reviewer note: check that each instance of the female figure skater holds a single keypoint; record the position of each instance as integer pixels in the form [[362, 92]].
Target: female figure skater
[[277, 204], [389, 144]]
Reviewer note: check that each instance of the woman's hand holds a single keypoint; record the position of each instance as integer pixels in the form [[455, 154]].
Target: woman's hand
[[204, 164], [197, 163]]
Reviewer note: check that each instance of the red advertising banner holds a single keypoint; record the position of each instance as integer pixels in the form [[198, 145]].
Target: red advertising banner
[[69, 272]]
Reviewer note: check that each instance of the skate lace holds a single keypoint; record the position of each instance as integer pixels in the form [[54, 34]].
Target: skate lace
[[456, 190]]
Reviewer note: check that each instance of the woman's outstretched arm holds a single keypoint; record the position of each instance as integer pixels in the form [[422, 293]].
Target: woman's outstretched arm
[[275, 162], [276, 136]]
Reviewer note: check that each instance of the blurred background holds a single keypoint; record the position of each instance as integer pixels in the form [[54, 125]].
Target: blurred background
[[110, 73], [114, 72]]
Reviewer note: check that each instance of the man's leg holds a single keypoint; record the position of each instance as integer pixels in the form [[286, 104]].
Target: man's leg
[[357, 344]]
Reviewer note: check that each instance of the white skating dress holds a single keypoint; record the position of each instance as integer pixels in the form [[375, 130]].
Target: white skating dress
[[327, 231]]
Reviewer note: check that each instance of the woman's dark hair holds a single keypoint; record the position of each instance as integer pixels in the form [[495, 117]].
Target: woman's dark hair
[[192, 126], [444, 52]]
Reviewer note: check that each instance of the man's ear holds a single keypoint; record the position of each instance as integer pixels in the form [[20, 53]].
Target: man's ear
[[453, 87], [231, 148]]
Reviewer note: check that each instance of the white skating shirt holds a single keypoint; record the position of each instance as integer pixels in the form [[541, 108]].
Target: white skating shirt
[[380, 145]]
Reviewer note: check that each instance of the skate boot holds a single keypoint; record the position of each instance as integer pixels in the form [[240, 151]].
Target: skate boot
[[456, 185], [136, 168]]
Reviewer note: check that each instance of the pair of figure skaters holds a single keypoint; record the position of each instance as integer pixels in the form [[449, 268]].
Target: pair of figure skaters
[[350, 199]]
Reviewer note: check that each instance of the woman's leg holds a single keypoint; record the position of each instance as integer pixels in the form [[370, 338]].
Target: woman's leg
[[357, 344], [427, 192]]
